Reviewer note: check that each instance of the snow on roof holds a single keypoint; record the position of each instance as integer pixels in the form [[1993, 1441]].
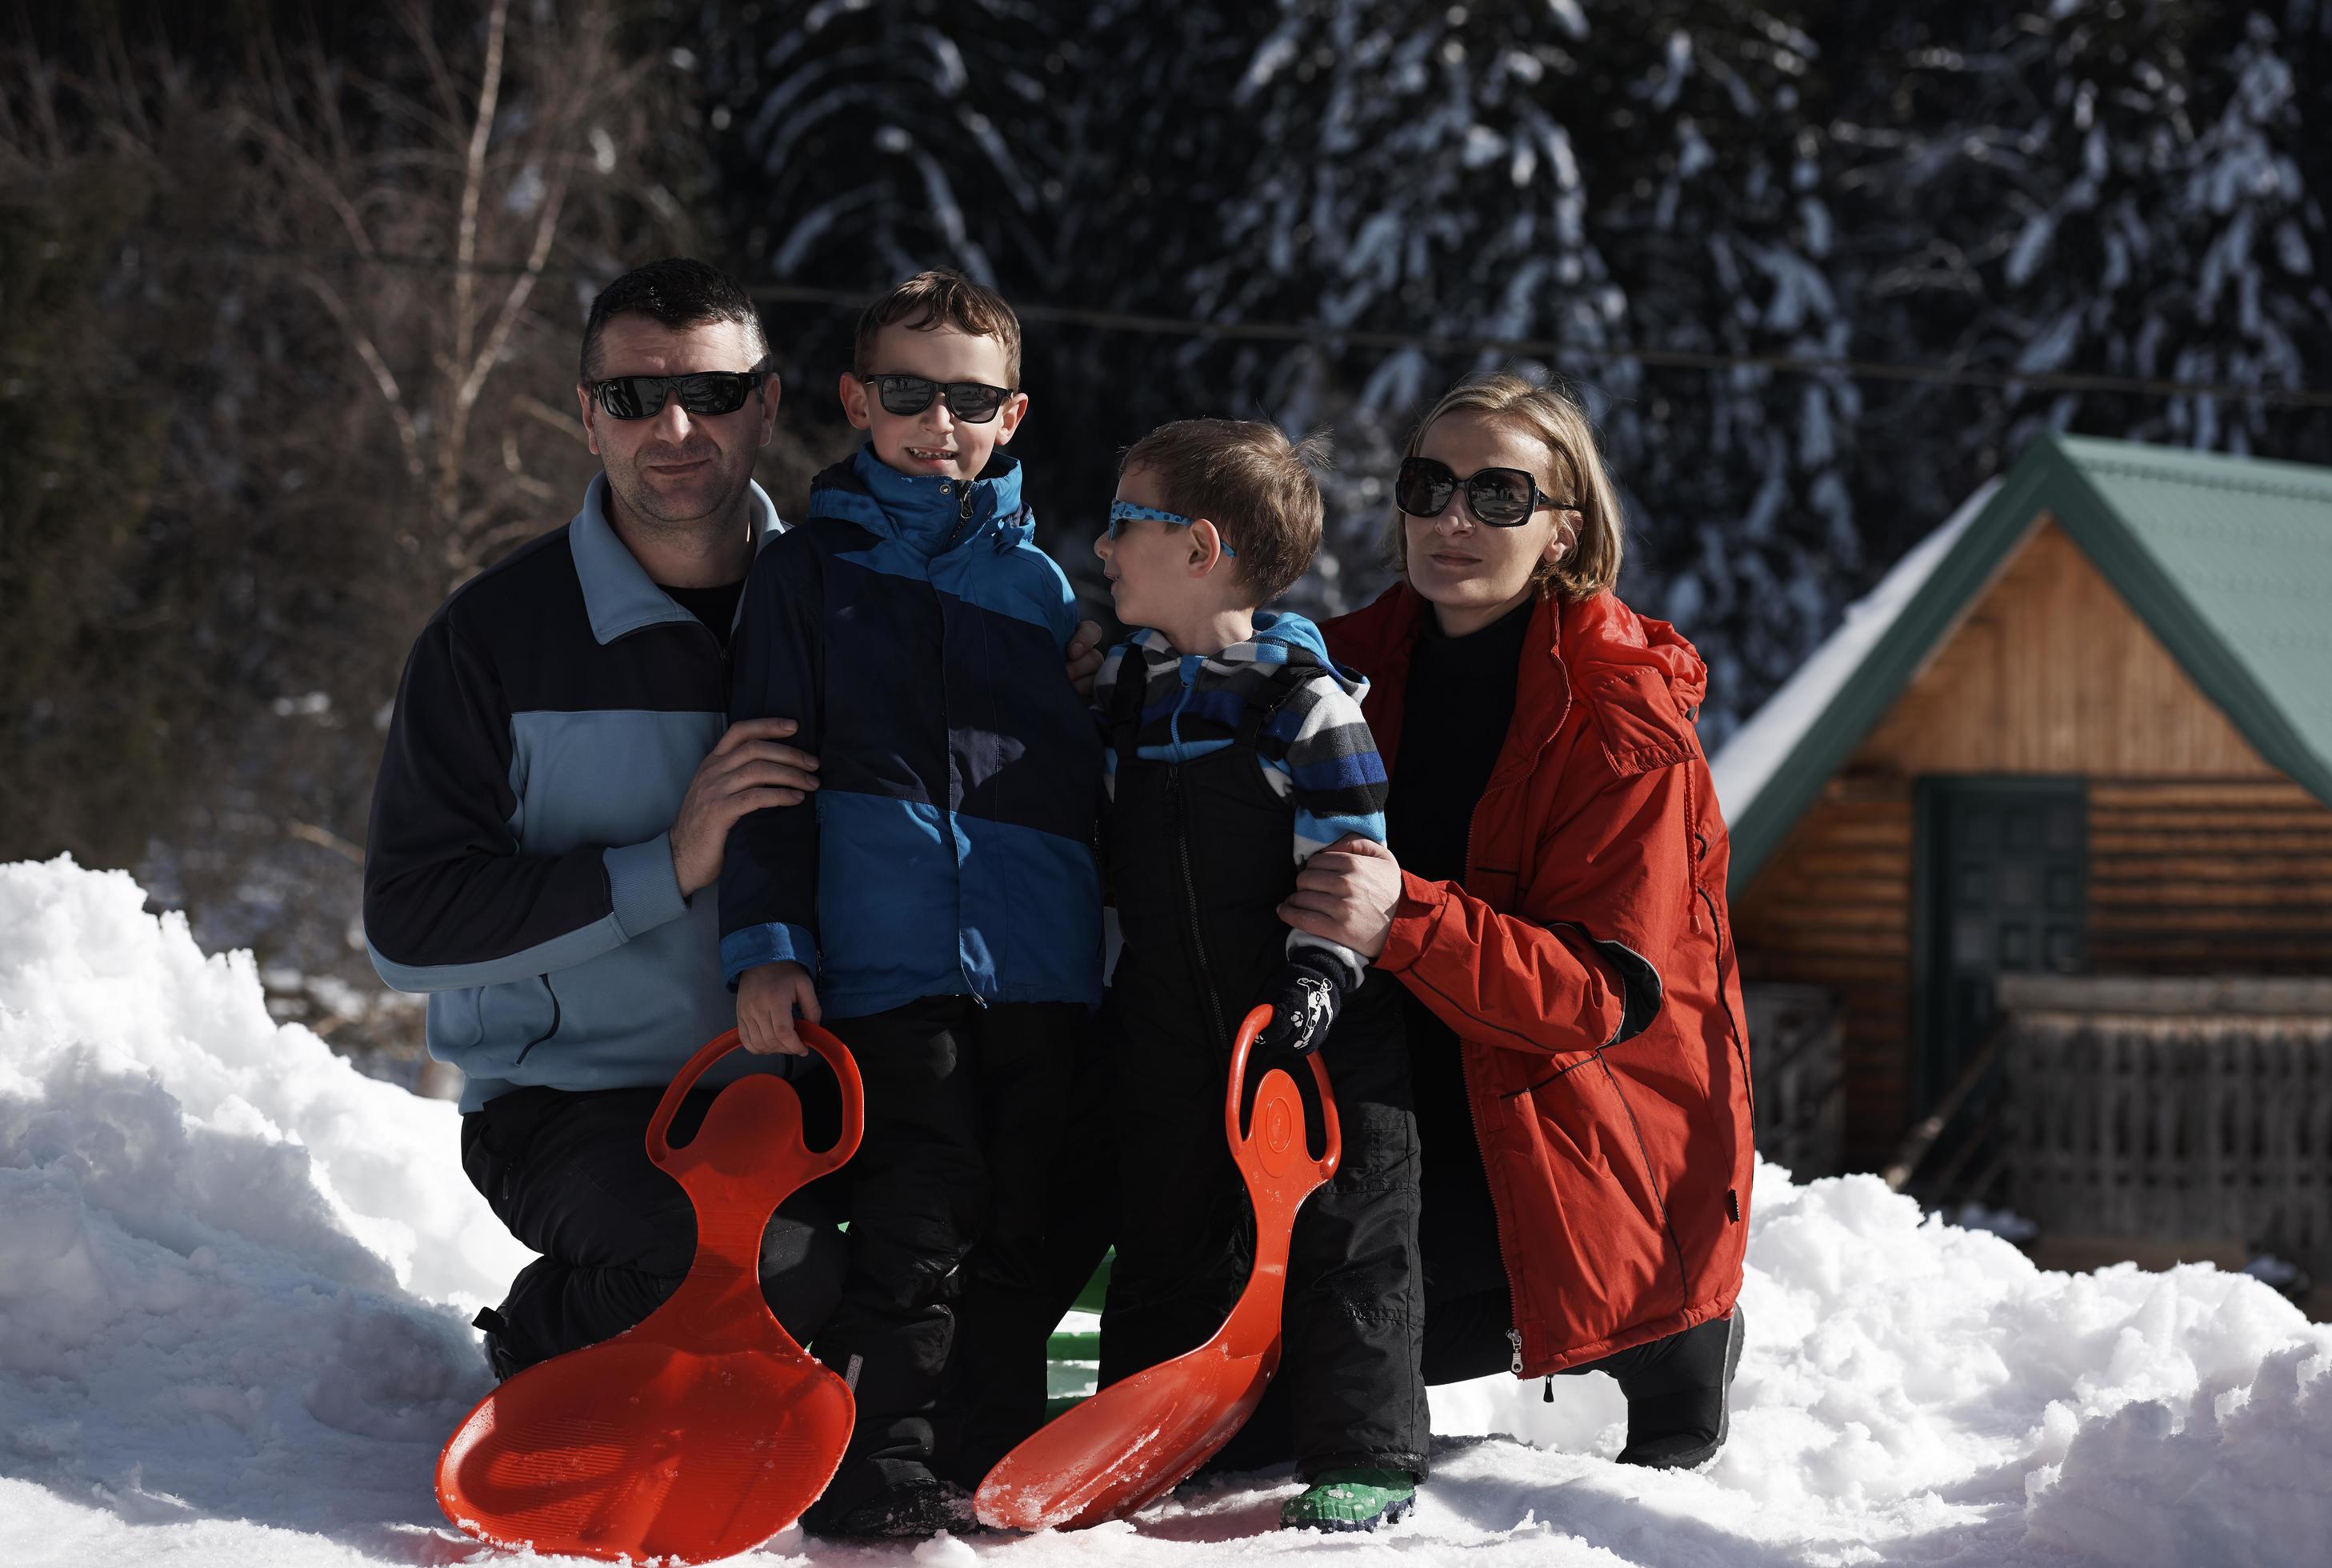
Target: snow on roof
[[1748, 762], [235, 1275]]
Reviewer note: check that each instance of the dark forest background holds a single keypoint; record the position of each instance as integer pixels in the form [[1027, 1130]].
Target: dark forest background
[[290, 294]]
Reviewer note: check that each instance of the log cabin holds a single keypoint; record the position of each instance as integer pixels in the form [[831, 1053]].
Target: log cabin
[[2082, 735]]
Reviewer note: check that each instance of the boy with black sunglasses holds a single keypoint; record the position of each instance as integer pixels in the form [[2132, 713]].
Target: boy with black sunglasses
[[939, 904], [1236, 750]]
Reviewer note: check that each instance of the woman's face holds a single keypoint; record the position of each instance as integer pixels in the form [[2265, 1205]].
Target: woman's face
[[1470, 572]]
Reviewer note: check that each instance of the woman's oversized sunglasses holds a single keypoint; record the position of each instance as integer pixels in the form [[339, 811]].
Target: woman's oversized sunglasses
[[705, 392], [1501, 497], [973, 402]]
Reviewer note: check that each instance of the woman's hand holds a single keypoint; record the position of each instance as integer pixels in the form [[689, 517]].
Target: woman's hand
[[1084, 656], [1346, 894]]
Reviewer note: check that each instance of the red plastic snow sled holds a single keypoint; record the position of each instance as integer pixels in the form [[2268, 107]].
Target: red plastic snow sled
[[706, 1429], [1138, 1438]]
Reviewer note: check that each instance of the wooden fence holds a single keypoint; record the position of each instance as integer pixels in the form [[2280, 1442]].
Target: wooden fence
[[1797, 1073], [2170, 1109]]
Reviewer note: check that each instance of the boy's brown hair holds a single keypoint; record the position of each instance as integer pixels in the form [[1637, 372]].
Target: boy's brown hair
[[941, 297], [1248, 480]]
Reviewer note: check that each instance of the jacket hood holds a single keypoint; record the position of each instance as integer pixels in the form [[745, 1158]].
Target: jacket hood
[[1281, 637], [1297, 641], [1603, 631], [925, 511]]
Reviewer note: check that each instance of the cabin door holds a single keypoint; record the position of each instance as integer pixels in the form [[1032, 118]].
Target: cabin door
[[2007, 890]]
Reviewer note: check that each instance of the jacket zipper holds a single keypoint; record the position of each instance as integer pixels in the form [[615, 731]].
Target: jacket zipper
[[947, 722], [1465, 1073], [1740, 1035], [1190, 894], [962, 515]]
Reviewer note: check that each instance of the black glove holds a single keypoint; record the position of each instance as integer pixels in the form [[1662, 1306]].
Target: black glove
[[1306, 997]]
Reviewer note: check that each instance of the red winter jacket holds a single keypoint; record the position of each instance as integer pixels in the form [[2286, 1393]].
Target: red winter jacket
[[1586, 965]]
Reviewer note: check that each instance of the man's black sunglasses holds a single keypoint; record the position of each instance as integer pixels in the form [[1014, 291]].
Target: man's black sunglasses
[[1501, 497], [704, 392], [972, 402]]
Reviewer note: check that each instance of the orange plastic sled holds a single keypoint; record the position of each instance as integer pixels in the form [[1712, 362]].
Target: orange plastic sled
[[1138, 1438], [706, 1429]]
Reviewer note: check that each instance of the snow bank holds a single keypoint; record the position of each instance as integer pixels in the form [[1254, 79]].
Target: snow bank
[[233, 1275]]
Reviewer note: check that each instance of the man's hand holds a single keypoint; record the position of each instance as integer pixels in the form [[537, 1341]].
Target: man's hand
[[768, 996], [1347, 893], [1085, 658], [745, 771]]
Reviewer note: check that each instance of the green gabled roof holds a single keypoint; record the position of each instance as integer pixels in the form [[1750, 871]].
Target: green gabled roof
[[2228, 560]]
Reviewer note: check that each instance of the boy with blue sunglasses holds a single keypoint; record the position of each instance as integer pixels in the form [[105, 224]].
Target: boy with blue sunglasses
[[1234, 750]]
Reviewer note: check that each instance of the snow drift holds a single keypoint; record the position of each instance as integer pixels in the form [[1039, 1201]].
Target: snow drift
[[234, 1276]]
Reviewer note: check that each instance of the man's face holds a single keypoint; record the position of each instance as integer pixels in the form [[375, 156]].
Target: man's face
[[675, 468], [934, 441]]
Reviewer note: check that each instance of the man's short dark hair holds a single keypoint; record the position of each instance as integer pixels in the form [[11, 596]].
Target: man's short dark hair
[[676, 292]]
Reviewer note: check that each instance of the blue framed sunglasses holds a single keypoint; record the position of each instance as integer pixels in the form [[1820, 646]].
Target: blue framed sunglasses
[[1121, 512]]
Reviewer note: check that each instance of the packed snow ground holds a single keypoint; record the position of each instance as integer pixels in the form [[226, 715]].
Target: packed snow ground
[[234, 1276]]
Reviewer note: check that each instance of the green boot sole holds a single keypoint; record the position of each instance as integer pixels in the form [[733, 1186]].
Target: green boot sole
[[1357, 1499]]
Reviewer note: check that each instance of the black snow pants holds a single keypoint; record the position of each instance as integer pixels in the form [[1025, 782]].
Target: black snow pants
[[947, 1193], [569, 1174], [1201, 857]]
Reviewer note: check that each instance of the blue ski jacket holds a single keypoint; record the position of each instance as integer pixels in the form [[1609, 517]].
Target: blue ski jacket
[[917, 633]]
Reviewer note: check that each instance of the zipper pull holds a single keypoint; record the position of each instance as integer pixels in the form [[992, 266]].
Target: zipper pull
[[1514, 1336], [1548, 1398], [964, 512]]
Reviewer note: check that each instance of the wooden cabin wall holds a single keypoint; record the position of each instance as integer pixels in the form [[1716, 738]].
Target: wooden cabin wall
[[1831, 907], [2209, 876], [2203, 857]]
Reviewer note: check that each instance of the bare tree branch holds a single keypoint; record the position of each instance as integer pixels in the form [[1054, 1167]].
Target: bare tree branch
[[391, 393], [465, 254]]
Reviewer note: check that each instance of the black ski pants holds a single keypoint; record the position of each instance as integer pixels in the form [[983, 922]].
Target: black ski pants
[[569, 1173], [1349, 1391], [947, 1196]]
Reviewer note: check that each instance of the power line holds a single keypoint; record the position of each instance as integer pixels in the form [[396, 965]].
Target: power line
[[1325, 335]]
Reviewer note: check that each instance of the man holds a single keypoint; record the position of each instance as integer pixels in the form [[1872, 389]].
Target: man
[[550, 817]]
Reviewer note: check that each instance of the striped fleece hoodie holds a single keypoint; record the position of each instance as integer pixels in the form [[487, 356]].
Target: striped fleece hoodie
[[1315, 752]]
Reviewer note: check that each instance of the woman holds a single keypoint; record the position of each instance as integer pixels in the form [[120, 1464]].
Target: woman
[[1557, 919]]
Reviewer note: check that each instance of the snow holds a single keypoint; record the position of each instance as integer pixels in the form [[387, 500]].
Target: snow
[[1747, 763], [234, 1276]]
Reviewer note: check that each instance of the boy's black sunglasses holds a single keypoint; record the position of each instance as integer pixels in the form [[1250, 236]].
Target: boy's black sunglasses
[[704, 392], [972, 402], [1501, 497]]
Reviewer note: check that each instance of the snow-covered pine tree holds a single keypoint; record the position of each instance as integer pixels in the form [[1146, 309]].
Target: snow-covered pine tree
[[859, 141], [2135, 188], [1644, 178], [1707, 175]]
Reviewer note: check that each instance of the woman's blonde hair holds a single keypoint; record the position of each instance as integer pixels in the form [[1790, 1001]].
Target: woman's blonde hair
[[1592, 565]]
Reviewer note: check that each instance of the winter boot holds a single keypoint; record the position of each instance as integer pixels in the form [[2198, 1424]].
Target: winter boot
[[911, 1508], [1354, 1499], [1680, 1395]]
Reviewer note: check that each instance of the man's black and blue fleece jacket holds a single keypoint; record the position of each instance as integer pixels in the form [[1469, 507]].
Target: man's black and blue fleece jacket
[[916, 632], [519, 868]]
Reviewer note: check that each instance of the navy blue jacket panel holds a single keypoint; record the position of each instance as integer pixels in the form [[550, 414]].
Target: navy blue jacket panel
[[517, 867], [915, 629]]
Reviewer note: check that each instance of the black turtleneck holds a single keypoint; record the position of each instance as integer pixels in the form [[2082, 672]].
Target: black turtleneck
[[1460, 698], [1459, 701], [715, 607]]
